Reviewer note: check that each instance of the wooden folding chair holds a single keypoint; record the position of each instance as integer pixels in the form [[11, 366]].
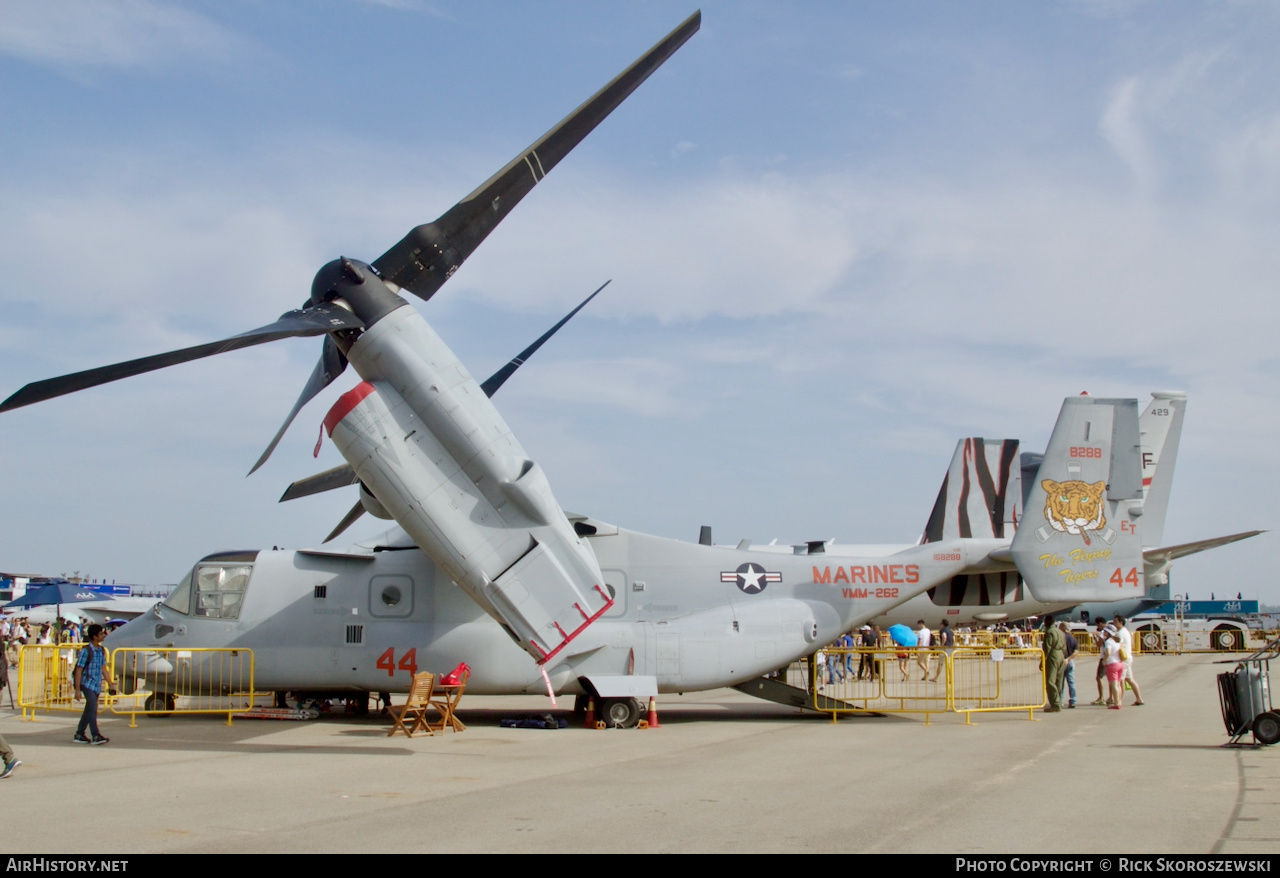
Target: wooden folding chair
[[411, 716], [447, 703]]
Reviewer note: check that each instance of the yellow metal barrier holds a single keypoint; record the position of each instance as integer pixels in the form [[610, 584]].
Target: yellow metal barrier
[[987, 680], [893, 680], [964, 680], [165, 681], [45, 676], [1201, 640], [999, 639]]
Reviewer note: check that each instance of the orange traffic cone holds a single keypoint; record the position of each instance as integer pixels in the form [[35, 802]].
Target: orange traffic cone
[[653, 713], [590, 722]]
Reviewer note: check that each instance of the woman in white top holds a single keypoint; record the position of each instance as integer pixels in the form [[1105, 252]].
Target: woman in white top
[[1115, 667]]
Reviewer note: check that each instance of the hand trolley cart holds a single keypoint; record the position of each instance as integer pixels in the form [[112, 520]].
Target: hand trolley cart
[[1245, 694]]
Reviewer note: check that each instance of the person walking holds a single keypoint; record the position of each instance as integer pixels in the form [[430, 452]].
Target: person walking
[[91, 670], [946, 640], [11, 760], [870, 640], [1114, 665], [1100, 641], [834, 661], [1125, 636], [5, 682], [924, 639]]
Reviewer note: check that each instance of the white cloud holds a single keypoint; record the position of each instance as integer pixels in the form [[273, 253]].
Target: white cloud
[[1120, 127], [683, 147], [71, 34], [636, 386]]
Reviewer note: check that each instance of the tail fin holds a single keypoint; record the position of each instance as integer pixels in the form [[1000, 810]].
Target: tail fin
[[1087, 546], [1161, 426], [981, 494]]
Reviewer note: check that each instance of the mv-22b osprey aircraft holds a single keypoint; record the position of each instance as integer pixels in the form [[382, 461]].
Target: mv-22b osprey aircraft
[[485, 567]]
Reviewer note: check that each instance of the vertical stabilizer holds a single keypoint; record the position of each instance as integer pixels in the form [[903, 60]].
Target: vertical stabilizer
[[1079, 539], [1161, 426], [981, 494]]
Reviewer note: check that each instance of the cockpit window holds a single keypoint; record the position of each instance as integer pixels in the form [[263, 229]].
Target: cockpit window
[[219, 591], [180, 598], [213, 591]]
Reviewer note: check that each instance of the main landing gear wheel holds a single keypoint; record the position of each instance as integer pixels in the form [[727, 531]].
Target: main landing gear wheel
[[1266, 728], [160, 703], [623, 713]]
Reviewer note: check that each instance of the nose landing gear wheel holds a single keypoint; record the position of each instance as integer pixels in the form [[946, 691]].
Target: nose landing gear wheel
[[620, 712], [160, 703]]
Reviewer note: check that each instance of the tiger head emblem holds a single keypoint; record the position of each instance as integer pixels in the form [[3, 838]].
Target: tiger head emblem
[[1074, 507]]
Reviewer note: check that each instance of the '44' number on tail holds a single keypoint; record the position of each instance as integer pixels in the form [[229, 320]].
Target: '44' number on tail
[[1131, 578]]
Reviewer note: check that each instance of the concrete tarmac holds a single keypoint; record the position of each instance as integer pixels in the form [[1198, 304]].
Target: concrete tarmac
[[724, 773]]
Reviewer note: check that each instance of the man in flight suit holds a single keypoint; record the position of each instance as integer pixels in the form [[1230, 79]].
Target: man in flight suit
[[1055, 657]]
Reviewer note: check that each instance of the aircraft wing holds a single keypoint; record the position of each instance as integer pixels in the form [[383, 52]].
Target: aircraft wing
[[428, 255], [338, 477], [1169, 553]]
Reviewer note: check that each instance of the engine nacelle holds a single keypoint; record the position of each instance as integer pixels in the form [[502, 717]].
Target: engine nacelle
[[433, 452]]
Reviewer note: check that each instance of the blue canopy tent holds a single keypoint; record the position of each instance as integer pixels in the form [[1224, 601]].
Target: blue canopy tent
[[57, 594]]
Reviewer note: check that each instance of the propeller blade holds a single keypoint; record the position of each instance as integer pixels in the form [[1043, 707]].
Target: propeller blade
[[332, 362], [428, 255], [497, 379], [338, 477], [347, 520], [314, 320]]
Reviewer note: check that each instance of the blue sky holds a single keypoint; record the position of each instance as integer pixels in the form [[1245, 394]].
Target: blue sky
[[841, 237]]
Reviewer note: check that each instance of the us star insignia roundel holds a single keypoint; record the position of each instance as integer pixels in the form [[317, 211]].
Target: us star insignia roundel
[[750, 577]]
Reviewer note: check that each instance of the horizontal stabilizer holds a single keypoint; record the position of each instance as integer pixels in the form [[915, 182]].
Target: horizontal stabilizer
[[1078, 540], [1182, 550]]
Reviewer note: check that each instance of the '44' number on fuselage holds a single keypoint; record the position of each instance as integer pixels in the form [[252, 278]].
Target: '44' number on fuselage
[[408, 662]]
